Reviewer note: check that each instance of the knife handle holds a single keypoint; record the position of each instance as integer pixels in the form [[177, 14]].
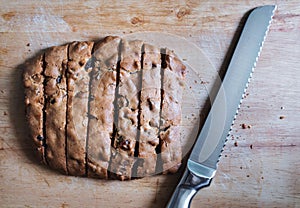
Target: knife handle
[[187, 188]]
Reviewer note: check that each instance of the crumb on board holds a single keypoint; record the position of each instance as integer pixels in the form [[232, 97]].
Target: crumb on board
[[204, 82], [235, 144], [28, 44], [246, 95], [64, 205], [251, 146], [245, 126], [281, 117]]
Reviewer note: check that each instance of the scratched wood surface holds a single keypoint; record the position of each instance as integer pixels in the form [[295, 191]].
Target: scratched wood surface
[[260, 166]]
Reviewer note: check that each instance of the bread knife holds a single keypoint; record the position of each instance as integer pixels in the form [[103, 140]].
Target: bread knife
[[205, 155]]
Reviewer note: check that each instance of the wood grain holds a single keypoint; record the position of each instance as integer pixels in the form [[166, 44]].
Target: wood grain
[[260, 165]]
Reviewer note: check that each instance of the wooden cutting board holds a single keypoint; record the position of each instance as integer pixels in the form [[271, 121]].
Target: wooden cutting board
[[260, 165]]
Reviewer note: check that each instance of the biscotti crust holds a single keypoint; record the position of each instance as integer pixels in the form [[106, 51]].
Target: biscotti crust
[[33, 80]]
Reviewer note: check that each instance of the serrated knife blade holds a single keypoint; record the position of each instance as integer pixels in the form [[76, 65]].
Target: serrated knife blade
[[202, 163]]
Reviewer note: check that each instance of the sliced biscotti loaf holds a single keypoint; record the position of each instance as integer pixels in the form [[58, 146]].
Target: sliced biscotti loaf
[[78, 79], [150, 102], [123, 149], [33, 80], [56, 106], [173, 74], [101, 105], [106, 110]]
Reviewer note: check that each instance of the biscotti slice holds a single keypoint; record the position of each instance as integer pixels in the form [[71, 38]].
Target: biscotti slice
[[78, 79], [150, 110], [34, 103], [56, 59], [128, 104], [173, 85], [103, 86]]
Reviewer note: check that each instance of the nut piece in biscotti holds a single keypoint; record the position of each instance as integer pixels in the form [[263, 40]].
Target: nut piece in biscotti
[[101, 105], [150, 110], [34, 103], [128, 103], [173, 75], [55, 106], [171, 154], [77, 106]]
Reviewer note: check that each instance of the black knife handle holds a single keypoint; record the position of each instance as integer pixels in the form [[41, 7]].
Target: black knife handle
[[187, 188]]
